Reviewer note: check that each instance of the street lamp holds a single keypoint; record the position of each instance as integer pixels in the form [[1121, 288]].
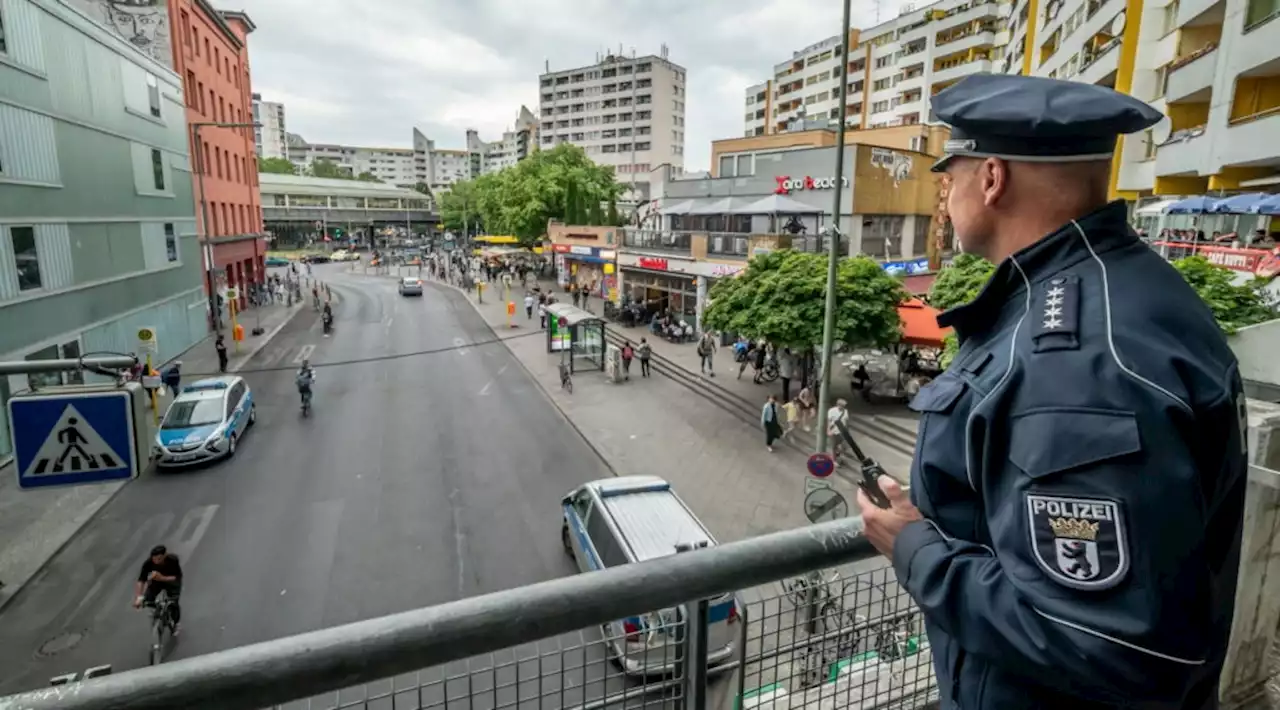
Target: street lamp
[[205, 244], [829, 311]]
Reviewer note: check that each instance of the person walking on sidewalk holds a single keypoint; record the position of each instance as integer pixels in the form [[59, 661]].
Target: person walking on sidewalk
[[645, 351], [575, 294], [786, 370], [769, 420], [220, 345], [838, 414], [542, 314], [808, 407], [627, 354], [757, 362], [707, 353], [173, 377], [791, 413], [528, 306]]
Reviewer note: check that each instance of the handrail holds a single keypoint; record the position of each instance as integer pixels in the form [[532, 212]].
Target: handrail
[[305, 665]]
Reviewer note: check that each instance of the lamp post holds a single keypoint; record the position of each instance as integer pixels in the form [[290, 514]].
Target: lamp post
[[205, 245], [829, 310]]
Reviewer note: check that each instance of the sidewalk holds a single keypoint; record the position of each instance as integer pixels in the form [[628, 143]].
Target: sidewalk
[[36, 524], [717, 462]]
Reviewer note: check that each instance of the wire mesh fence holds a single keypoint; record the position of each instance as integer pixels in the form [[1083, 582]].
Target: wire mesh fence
[[835, 639], [636, 663]]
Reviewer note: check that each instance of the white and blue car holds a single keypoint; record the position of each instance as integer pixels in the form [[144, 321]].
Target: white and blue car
[[205, 422]]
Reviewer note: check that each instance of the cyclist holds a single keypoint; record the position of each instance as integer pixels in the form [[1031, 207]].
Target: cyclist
[[305, 378], [160, 572], [327, 318]]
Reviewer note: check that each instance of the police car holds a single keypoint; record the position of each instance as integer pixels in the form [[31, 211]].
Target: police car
[[205, 422]]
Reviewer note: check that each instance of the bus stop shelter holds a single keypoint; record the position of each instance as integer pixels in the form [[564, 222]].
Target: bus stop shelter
[[577, 334]]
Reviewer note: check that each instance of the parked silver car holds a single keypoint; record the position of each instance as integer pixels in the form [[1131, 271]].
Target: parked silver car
[[410, 286]]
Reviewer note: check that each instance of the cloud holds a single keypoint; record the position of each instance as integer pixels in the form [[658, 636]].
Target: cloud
[[368, 72]]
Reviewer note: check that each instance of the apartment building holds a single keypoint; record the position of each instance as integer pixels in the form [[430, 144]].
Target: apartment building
[[628, 112], [514, 146], [97, 222], [269, 136], [390, 165], [211, 53], [1212, 66], [893, 69]]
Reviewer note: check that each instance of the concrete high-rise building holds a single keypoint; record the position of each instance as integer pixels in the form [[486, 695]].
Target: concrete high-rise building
[[893, 69], [627, 112], [269, 136], [394, 166], [514, 146]]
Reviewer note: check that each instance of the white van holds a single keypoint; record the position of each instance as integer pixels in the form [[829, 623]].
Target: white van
[[616, 521]]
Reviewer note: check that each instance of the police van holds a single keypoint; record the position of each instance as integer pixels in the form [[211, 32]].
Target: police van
[[616, 521]]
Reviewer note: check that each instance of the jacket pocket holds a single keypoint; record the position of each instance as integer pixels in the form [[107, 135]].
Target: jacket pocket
[[1048, 441]]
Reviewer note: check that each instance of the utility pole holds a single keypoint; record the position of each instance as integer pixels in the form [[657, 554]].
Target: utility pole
[[833, 245]]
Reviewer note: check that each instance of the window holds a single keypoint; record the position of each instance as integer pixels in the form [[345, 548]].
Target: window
[[217, 161], [236, 164], [643, 145], [206, 168], [884, 61], [193, 99], [217, 61], [213, 104], [196, 33], [206, 50], [23, 241], [170, 242], [186, 29], [157, 168], [200, 91], [153, 95]]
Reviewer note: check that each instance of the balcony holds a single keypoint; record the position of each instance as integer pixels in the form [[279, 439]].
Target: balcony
[[1259, 44], [1190, 77], [920, 31], [908, 84], [984, 38], [912, 105], [978, 11], [1100, 67], [728, 244], [960, 71], [670, 242], [1183, 154], [1190, 12], [1251, 141]]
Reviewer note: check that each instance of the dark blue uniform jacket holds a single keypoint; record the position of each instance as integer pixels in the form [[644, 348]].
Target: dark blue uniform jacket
[[1081, 467]]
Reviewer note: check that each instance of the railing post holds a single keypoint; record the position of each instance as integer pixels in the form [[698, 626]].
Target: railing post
[[693, 646]]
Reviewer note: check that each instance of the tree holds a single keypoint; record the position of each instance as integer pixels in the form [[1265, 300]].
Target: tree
[[277, 166], [328, 169], [458, 207], [367, 176], [1234, 306], [956, 285], [780, 296]]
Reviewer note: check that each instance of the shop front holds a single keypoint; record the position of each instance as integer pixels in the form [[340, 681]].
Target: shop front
[[592, 267], [660, 283], [237, 262]]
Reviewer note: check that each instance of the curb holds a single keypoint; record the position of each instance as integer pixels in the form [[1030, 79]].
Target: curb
[[96, 507]]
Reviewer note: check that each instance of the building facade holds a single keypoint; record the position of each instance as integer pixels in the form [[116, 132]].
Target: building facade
[[628, 112], [97, 228], [296, 207], [394, 166], [211, 53], [269, 136], [894, 68], [514, 146]]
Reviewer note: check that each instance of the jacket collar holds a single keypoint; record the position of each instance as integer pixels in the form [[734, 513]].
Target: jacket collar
[[1106, 228]]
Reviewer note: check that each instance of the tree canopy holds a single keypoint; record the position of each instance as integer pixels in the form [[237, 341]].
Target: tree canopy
[[328, 169], [781, 295], [278, 166], [1234, 306], [367, 176], [561, 184], [956, 285]]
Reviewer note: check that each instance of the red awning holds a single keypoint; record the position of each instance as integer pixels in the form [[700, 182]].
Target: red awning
[[919, 284], [920, 324]]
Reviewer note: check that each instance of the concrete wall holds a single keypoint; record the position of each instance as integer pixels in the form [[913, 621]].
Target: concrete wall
[[889, 181]]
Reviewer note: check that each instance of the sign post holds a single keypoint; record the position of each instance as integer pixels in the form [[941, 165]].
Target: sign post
[[148, 344], [75, 436]]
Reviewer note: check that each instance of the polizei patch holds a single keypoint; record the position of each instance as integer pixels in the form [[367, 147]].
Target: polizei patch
[[1080, 542]]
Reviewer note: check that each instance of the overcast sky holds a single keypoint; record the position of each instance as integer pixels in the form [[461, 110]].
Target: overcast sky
[[366, 72]]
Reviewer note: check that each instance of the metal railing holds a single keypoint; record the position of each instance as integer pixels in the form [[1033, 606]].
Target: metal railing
[[657, 240], [560, 644], [728, 244]]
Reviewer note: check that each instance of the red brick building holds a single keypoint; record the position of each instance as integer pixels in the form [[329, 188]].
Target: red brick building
[[211, 54]]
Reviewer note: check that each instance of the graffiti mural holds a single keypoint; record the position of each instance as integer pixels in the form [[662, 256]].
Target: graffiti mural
[[896, 164], [142, 23]]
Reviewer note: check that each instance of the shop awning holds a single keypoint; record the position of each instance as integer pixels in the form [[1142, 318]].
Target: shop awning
[[777, 204], [1269, 206], [1239, 204], [1154, 208], [677, 207], [1193, 205], [920, 324], [723, 205]]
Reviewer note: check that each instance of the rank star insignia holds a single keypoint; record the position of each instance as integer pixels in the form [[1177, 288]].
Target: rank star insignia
[[1053, 312], [1056, 292], [1052, 323]]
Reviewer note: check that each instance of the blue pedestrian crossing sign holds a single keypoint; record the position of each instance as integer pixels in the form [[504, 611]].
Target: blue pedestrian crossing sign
[[71, 438]]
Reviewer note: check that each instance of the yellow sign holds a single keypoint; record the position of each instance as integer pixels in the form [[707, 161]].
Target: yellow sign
[[608, 268], [147, 341]]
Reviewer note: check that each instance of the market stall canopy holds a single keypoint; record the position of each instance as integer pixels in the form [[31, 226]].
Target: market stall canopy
[[1269, 206], [1193, 205], [1238, 204], [777, 204], [920, 324], [1154, 208]]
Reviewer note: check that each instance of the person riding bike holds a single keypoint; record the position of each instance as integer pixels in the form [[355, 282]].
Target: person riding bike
[[160, 572], [305, 378], [327, 317]]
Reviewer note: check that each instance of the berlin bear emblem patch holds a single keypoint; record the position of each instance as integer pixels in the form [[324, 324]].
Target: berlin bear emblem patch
[[1079, 542]]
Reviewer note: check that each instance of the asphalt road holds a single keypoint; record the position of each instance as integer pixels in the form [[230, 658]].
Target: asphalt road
[[418, 479]]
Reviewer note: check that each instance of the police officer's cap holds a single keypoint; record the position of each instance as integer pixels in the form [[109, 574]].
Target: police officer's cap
[[1033, 119]]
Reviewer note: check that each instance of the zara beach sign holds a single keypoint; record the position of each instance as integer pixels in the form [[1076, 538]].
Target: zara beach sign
[[786, 183]]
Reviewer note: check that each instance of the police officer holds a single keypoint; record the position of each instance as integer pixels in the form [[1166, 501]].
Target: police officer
[[1072, 534]]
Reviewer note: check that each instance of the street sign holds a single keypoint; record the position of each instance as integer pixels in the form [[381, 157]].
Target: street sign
[[71, 438], [824, 504], [147, 343], [813, 484], [821, 465]]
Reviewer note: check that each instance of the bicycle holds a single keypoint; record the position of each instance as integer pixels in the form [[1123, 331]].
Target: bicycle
[[306, 402], [161, 622], [827, 606], [566, 377]]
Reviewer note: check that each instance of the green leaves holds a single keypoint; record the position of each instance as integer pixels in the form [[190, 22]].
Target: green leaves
[[327, 169], [1234, 306], [277, 166], [960, 282], [781, 296], [561, 184]]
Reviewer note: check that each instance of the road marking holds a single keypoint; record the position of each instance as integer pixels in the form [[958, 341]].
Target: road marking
[[459, 542], [461, 345], [389, 322], [304, 352], [485, 390]]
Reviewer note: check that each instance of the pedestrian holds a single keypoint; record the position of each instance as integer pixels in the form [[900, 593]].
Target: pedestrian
[[808, 408], [220, 345], [786, 370], [575, 294], [542, 315], [757, 362], [769, 420], [644, 352], [528, 306], [707, 354], [1078, 493], [627, 354], [791, 413], [173, 377]]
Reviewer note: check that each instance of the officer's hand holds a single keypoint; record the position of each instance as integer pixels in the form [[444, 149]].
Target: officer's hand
[[883, 524]]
